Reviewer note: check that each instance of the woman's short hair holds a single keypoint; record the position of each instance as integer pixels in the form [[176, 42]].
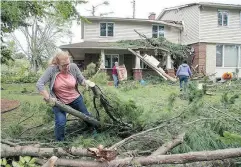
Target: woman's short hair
[[59, 55]]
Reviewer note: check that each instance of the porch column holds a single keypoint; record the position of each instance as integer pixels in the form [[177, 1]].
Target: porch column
[[137, 71], [102, 55], [169, 66], [102, 61], [138, 61]]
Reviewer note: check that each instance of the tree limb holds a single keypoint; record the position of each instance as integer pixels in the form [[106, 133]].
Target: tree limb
[[169, 145], [50, 162], [7, 151], [77, 113], [143, 132], [134, 136], [160, 159], [223, 113]]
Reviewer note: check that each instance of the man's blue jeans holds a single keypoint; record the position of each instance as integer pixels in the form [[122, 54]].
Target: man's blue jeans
[[183, 78], [115, 78], [60, 117]]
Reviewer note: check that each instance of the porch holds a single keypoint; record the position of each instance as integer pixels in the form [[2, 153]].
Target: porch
[[106, 53]]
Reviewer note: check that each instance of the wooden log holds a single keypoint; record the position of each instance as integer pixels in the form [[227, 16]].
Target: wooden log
[[42, 152], [77, 113], [160, 159], [50, 162], [169, 145]]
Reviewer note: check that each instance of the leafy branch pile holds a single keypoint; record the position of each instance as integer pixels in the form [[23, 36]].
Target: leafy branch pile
[[176, 50]]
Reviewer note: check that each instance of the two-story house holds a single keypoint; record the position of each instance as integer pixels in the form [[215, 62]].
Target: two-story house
[[214, 31], [100, 35]]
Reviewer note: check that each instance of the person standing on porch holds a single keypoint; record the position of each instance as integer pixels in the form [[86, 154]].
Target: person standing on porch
[[183, 73], [115, 74]]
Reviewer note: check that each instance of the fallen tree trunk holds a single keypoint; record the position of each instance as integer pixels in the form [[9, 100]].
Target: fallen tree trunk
[[76, 113], [169, 145], [42, 152], [50, 162], [160, 159]]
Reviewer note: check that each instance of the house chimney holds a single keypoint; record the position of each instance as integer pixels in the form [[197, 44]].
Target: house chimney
[[152, 16]]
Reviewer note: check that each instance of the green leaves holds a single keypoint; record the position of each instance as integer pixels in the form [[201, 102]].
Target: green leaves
[[231, 138]]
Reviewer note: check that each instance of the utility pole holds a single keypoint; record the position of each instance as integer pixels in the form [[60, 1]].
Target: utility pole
[[134, 8]]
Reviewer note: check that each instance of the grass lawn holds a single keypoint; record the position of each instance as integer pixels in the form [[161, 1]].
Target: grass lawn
[[160, 102]]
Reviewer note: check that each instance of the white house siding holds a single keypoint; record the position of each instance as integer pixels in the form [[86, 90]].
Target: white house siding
[[172, 34], [122, 31], [211, 32], [211, 62], [210, 58], [125, 31], [190, 17]]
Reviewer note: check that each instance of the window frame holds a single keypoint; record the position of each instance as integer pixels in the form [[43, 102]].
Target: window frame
[[223, 54], [111, 59], [106, 29], [158, 25], [222, 12]]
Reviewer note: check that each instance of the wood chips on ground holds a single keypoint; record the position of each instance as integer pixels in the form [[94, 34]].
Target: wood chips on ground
[[8, 105]]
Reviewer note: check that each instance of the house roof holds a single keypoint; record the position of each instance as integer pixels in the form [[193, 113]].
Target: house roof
[[132, 20], [209, 4], [106, 45]]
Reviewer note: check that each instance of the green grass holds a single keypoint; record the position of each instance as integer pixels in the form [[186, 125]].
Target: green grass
[[160, 102]]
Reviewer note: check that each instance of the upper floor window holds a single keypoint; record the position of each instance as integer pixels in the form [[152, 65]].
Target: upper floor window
[[157, 31], [106, 29], [222, 18]]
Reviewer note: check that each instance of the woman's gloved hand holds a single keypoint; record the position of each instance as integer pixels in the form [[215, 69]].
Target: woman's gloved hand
[[89, 83], [50, 101]]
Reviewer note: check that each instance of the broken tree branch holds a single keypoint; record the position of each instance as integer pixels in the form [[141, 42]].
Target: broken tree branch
[[76, 113], [42, 152], [169, 145], [143, 132], [50, 162], [160, 159], [230, 116], [8, 143], [134, 136]]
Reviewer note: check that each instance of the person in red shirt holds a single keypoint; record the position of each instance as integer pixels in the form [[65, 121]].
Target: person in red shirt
[[115, 74]]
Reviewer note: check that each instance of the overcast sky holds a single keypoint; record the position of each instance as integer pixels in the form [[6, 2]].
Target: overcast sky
[[123, 8]]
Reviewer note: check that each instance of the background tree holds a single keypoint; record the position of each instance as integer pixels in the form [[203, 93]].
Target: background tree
[[41, 39], [95, 7], [14, 14]]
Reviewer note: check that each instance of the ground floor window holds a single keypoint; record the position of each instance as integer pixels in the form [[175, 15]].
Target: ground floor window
[[110, 60], [228, 56]]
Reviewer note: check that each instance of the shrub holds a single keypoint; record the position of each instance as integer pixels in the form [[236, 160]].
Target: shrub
[[90, 70], [18, 72]]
